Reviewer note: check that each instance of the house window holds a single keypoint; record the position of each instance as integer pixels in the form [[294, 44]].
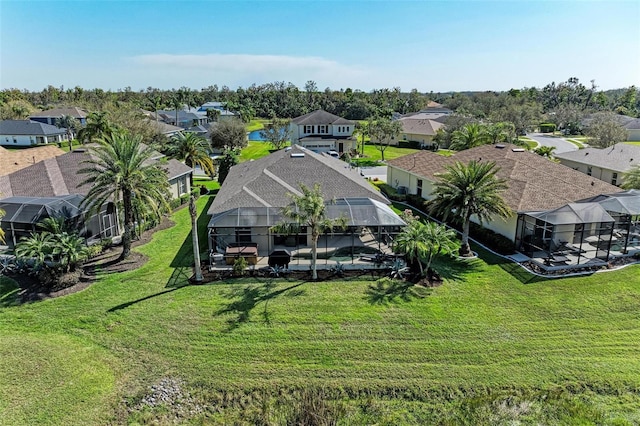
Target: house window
[[323, 129], [243, 235], [308, 129], [181, 186], [589, 170], [347, 128], [15, 140], [419, 190], [614, 179]]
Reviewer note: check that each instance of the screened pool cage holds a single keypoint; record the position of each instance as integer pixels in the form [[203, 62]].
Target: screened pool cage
[[22, 215], [371, 228], [589, 232]]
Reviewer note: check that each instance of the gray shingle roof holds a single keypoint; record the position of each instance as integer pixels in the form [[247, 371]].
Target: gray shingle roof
[[28, 128], [320, 117], [59, 176], [620, 157], [267, 181], [633, 124], [535, 183]]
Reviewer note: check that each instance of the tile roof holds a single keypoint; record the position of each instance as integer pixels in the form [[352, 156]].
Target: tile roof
[[619, 157], [59, 176], [29, 128], [535, 183], [420, 126], [267, 181], [320, 117], [59, 112]]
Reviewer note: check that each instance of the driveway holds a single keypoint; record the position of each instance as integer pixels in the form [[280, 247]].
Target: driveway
[[379, 172], [559, 143]]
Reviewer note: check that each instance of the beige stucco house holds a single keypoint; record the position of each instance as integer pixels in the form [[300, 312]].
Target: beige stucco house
[[534, 182], [606, 164]]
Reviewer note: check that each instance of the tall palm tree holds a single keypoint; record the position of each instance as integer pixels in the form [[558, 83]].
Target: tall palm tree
[[308, 209], [193, 150], [470, 189], [469, 136], [120, 170], [632, 178], [98, 126], [70, 124]]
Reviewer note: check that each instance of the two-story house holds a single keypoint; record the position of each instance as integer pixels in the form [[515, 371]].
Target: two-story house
[[321, 131]]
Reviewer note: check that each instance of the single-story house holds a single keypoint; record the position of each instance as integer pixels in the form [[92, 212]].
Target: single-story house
[[51, 115], [419, 128], [186, 119], [633, 129], [223, 112], [58, 177], [321, 131], [10, 161], [252, 196], [27, 133], [535, 183], [607, 164]]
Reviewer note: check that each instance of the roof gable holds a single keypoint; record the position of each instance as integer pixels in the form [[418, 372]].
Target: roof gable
[[59, 112], [620, 157], [320, 117]]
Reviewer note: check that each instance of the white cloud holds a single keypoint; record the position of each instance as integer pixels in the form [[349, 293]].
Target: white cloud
[[243, 69]]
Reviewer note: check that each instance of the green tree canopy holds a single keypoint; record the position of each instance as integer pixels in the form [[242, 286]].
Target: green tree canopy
[[465, 190], [228, 134], [193, 150], [120, 169], [632, 178], [470, 136], [383, 131], [605, 130], [277, 132]]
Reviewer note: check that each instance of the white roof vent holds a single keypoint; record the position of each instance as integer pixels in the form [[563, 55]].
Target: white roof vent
[[517, 149], [297, 155], [287, 149], [500, 146]]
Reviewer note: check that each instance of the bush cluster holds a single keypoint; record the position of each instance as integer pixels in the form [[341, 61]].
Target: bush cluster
[[547, 127]]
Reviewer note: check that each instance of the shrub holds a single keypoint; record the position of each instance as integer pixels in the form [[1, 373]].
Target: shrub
[[239, 265], [390, 192], [547, 127], [493, 240]]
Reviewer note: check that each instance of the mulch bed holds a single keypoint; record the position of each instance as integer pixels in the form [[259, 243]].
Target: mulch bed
[[106, 262]]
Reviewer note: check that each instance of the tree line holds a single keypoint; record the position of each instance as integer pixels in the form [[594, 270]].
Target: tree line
[[562, 103]]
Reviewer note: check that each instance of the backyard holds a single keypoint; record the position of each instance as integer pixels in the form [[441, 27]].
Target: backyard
[[492, 345]]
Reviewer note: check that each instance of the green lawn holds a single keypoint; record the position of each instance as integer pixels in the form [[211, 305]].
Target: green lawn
[[531, 144], [372, 152], [492, 345], [633, 143], [255, 150]]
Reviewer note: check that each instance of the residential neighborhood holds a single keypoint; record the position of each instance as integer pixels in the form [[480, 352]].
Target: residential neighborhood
[[311, 213]]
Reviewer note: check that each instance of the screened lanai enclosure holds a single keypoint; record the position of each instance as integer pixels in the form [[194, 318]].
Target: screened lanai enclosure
[[573, 235], [371, 228], [22, 215], [624, 208]]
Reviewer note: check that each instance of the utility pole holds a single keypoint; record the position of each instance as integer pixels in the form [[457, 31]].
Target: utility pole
[[194, 237]]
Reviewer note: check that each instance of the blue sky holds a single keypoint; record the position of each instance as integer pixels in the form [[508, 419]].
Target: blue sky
[[426, 45]]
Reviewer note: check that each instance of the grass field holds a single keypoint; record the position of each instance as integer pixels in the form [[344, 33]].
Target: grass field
[[493, 345]]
